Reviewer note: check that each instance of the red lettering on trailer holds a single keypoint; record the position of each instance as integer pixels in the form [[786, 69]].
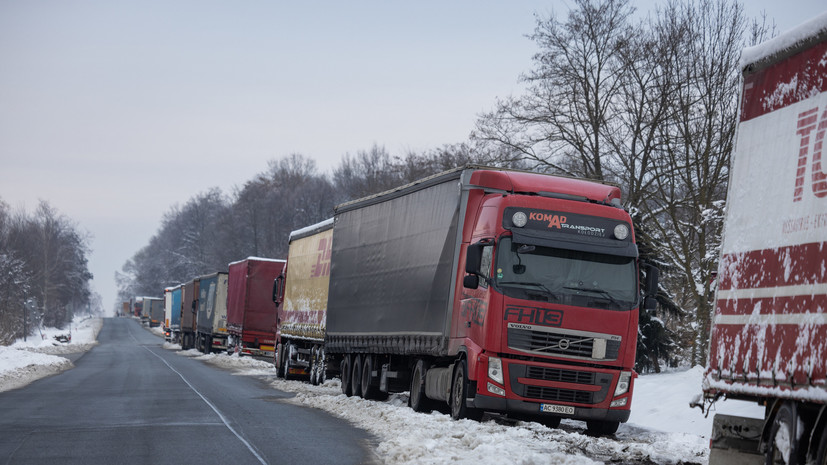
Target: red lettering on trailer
[[808, 122]]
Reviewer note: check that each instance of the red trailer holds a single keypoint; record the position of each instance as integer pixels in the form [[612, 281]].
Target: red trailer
[[251, 313], [768, 342]]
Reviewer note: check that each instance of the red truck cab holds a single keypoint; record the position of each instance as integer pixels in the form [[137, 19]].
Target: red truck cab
[[548, 307]]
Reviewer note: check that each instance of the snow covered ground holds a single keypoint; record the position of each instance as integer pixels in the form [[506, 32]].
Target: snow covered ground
[[38, 356], [662, 428]]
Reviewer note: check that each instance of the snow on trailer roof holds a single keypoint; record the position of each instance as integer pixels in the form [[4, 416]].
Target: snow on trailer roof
[[789, 41], [309, 230], [259, 259]]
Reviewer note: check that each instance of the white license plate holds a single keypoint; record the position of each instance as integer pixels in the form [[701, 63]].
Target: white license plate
[[561, 409]]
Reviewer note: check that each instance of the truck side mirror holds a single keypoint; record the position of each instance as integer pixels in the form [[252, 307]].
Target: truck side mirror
[[278, 283], [650, 303], [652, 273], [473, 258], [471, 281]]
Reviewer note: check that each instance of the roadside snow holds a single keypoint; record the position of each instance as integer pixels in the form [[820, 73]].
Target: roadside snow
[[663, 428], [27, 361]]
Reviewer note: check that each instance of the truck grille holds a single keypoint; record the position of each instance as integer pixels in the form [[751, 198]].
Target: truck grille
[[564, 376], [558, 395], [521, 377], [579, 345]]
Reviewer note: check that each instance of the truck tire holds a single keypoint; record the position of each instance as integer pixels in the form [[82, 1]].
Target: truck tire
[[321, 365], [346, 372], [782, 444], [601, 428], [417, 400], [356, 376], [277, 357], [370, 388], [285, 360], [311, 370], [459, 392]]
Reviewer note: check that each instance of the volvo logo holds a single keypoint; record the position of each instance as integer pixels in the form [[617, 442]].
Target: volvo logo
[[563, 344]]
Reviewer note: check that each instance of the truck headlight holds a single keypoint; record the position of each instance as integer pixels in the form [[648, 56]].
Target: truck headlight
[[623, 383], [495, 369]]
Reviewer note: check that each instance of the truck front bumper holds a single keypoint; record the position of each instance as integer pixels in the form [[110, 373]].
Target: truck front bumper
[[500, 404]]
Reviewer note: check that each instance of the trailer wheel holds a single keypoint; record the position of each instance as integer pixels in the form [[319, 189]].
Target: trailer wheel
[[370, 389], [279, 355], [459, 392], [321, 366], [783, 445], [346, 372], [356, 376], [601, 428], [312, 369], [286, 355], [417, 400]]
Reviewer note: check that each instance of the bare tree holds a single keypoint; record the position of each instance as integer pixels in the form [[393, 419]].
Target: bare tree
[[690, 178], [562, 122]]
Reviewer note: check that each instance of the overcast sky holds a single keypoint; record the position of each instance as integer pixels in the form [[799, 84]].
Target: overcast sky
[[114, 111]]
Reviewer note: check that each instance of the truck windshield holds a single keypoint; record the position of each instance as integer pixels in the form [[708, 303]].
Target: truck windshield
[[564, 276]]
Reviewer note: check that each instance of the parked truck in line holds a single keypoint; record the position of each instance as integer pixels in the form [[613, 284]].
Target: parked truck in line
[[768, 341], [251, 315], [489, 290], [189, 309], [211, 325], [155, 308], [301, 295], [172, 314]]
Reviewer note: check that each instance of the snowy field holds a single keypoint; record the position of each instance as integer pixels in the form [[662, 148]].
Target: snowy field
[[39, 356], [662, 428]]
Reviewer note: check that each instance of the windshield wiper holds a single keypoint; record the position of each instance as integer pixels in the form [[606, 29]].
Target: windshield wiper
[[602, 292], [525, 283]]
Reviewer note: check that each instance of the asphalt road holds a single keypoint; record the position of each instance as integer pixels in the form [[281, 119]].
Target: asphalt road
[[129, 401]]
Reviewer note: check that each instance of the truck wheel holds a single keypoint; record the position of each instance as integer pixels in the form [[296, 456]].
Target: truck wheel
[[356, 376], [312, 369], [417, 400], [346, 372], [321, 366], [286, 353], [601, 428], [783, 447], [279, 355], [459, 392], [370, 389]]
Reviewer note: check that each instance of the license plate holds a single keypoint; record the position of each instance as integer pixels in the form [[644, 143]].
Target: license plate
[[561, 409]]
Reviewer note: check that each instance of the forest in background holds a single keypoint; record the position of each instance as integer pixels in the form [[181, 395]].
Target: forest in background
[[44, 273], [648, 104]]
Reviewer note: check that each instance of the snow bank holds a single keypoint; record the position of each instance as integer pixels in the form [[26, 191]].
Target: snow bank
[[27, 361], [661, 402], [662, 428]]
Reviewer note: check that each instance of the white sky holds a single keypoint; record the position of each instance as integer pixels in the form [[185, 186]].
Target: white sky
[[114, 111]]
